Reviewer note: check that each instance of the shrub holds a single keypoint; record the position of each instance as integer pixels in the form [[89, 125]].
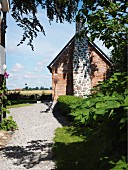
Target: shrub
[[104, 103], [65, 103], [104, 116], [8, 124], [12, 96], [106, 113]]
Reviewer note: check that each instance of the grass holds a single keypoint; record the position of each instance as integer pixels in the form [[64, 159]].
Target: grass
[[72, 151], [64, 135], [18, 105], [79, 150], [22, 101]]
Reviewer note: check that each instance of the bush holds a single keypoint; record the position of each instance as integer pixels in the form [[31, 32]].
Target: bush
[[65, 103], [104, 103], [18, 98], [8, 124], [104, 116]]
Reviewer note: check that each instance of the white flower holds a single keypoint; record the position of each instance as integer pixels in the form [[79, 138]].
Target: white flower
[[4, 66]]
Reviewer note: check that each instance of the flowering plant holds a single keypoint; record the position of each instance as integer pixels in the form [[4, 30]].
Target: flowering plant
[[5, 123], [3, 97]]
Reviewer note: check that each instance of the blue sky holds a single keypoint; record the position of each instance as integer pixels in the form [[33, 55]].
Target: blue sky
[[27, 66]]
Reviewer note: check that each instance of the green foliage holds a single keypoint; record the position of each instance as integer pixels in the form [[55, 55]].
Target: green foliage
[[121, 164], [8, 124], [102, 120], [107, 21], [109, 100], [117, 83], [18, 105], [65, 135], [65, 103], [84, 148], [25, 14], [3, 99]]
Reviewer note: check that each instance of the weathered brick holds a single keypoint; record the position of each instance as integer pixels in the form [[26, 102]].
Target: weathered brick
[[77, 70]]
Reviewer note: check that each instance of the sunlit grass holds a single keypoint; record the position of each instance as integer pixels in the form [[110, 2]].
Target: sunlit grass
[[76, 149], [65, 135], [18, 105]]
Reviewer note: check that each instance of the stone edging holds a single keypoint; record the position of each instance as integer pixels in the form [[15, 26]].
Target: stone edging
[[4, 137]]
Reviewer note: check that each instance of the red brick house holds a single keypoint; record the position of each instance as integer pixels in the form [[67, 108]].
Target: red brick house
[[78, 67]]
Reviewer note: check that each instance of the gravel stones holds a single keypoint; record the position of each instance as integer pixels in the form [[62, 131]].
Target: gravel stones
[[30, 145]]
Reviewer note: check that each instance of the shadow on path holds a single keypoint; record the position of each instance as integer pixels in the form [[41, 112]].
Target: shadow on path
[[56, 113], [49, 107], [35, 152], [63, 120]]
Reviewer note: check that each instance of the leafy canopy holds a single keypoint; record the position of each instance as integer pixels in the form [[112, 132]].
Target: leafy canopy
[[25, 14], [106, 19]]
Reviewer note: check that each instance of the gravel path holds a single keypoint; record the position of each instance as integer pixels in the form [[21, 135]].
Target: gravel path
[[30, 146]]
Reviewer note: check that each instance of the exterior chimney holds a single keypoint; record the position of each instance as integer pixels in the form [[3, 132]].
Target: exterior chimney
[[81, 65], [79, 26]]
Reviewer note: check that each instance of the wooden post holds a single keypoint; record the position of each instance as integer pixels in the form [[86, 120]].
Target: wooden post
[[0, 94], [0, 74], [4, 8], [3, 31], [2, 50]]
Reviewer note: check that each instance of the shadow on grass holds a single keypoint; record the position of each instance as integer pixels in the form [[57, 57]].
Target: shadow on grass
[[94, 152], [30, 155]]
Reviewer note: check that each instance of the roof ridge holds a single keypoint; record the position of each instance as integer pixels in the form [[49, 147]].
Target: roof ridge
[[72, 39]]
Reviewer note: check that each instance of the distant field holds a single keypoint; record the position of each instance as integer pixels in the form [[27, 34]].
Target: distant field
[[31, 92]]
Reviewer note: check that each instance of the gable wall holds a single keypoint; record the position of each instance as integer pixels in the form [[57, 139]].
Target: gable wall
[[77, 75], [100, 69], [62, 80]]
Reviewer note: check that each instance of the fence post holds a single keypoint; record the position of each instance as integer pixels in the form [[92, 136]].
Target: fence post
[[4, 8]]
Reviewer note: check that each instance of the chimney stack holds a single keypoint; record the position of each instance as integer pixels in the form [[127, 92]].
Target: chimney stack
[[81, 64], [79, 26]]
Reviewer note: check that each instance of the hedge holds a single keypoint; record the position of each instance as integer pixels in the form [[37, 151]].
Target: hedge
[[65, 103]]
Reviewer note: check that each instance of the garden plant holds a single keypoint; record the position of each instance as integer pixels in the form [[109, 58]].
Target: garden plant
[[98, 137], [7, 122]]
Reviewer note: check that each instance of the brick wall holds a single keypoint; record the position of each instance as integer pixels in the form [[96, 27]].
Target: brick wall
[[99, 67], [62, 77], [67, 79]]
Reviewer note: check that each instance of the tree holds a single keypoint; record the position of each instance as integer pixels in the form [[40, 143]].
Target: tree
[[105, 20], [41, 88], [36, 88], [25, 12]]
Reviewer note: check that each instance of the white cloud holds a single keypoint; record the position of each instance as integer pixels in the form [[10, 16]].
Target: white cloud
[[30, 75], [26, 66], [39, 66], [17, 67]]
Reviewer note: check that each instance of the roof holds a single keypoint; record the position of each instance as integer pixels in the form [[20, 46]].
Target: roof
[[105, 57], [56, 58]]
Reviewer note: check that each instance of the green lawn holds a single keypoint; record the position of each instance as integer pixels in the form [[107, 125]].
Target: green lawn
[[74, 152], [18, 105], [82, 150]]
